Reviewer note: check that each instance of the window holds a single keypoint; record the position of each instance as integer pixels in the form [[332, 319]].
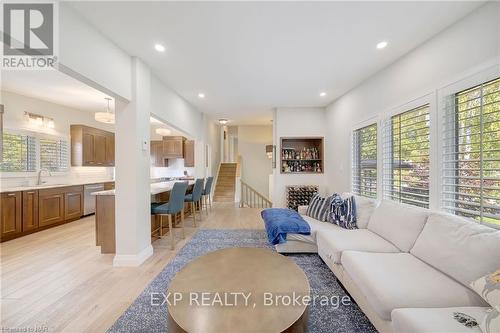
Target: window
[[53, 154], [364, 161], [471, 153], [19, 153], [406, 157]]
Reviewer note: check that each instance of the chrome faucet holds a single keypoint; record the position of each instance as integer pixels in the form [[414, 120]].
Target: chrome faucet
[[39, 179]]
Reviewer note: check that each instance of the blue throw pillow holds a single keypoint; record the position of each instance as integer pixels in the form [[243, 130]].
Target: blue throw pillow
[[318, 207], [342, 212]]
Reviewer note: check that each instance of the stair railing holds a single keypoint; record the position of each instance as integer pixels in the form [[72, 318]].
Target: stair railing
[[249, 197]]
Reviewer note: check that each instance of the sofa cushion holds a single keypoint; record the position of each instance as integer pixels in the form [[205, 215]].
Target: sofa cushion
[[425, 320], [318, 207], [342, 212], [400, 280], [461, 248], [488, 287], [315, 226], [399, 224], [364, 209], [334, 243]]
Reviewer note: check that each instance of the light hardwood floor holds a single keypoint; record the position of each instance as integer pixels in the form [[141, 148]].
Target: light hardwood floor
[[58, 281]]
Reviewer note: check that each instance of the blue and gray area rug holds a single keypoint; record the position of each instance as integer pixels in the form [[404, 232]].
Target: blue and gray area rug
[[141, 316]]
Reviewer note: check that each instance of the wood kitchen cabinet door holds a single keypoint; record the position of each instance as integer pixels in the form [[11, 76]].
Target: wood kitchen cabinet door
[[100, 149], [50, 206], [173, 147], [73, 202], [156, 152], [88, 151], [110, 149], [11, 224], [30, 210], [189, 153], [92, 146]]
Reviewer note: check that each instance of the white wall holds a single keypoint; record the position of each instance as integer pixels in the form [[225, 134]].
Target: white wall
[[255, 165], [86, 54], [16, 104], [459, 51], [297, 122], [171, 108]]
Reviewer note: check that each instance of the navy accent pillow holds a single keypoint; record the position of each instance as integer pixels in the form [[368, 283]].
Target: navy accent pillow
[[318, 207], [342, 212]]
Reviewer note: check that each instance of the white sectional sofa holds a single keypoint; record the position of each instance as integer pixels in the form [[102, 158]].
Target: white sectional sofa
[[407, 268]]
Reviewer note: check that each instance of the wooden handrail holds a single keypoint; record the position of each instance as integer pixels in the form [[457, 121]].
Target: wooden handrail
[[252, 198], [238, 166]]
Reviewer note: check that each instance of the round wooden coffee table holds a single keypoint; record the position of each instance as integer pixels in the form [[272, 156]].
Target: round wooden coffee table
[[239, 290]]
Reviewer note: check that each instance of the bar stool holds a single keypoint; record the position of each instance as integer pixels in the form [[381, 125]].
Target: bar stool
[[195, 197], [174, 206], [207, 193]]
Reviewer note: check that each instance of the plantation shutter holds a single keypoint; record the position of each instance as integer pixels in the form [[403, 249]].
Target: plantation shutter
[[53, 154], [364, 161], [471, 153], [406, 153], [19, 153]]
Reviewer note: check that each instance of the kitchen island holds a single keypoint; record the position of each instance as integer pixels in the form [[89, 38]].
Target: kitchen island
[[105, 212]]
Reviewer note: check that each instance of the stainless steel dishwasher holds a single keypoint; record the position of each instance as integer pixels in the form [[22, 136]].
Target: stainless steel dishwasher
[[88, 199]]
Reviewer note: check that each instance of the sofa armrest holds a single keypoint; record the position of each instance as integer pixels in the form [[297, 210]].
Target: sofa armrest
[[302, 210]]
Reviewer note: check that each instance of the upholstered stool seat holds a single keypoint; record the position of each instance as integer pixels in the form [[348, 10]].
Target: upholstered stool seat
[[172, 208]]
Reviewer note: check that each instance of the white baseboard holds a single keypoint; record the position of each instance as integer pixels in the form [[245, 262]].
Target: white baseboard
[[133, 260]]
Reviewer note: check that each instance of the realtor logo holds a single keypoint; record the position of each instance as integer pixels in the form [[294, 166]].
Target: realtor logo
[[28, 35]]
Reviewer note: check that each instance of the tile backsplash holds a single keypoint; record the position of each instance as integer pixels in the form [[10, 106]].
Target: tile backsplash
[[75, 174]]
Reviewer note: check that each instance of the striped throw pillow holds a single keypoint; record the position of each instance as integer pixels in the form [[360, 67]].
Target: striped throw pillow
[[318, 207], [342, 212]]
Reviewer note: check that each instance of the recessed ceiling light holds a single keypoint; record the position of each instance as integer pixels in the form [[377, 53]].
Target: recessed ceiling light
[[382, 45], [322, 94], [159, 48], [201, 95]]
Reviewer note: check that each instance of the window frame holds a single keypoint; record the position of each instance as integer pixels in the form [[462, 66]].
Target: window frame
[[446, 94], [389, 151], [37, 136], [370, 122], [429, 99]]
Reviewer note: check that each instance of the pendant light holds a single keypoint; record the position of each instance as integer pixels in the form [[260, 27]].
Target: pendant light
[[107, 116]]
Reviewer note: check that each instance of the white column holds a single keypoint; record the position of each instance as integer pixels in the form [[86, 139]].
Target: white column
[[133, 198]]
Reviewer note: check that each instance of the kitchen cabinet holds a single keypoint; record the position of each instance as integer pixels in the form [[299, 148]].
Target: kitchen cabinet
[[11, 224], [156, 152], [50, 206], [173, 147], [189, 153], [73, 202], [30, 210], [109, 186], [91, 146]]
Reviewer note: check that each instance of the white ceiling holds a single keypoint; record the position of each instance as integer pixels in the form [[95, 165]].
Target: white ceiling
[[56, 87], [249, 57], [59, 88]]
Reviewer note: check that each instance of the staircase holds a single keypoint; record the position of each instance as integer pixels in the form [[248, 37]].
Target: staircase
[[226, 181]]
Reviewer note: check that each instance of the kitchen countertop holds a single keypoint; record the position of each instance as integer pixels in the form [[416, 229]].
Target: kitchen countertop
[[155, 188], [47, 186]]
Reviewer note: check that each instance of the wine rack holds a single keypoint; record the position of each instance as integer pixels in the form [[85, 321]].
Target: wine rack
[[299, 195], [301, 155]]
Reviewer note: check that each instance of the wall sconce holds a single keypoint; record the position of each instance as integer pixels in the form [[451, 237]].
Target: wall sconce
[[269, 151], [271, 154], [39, 120]]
